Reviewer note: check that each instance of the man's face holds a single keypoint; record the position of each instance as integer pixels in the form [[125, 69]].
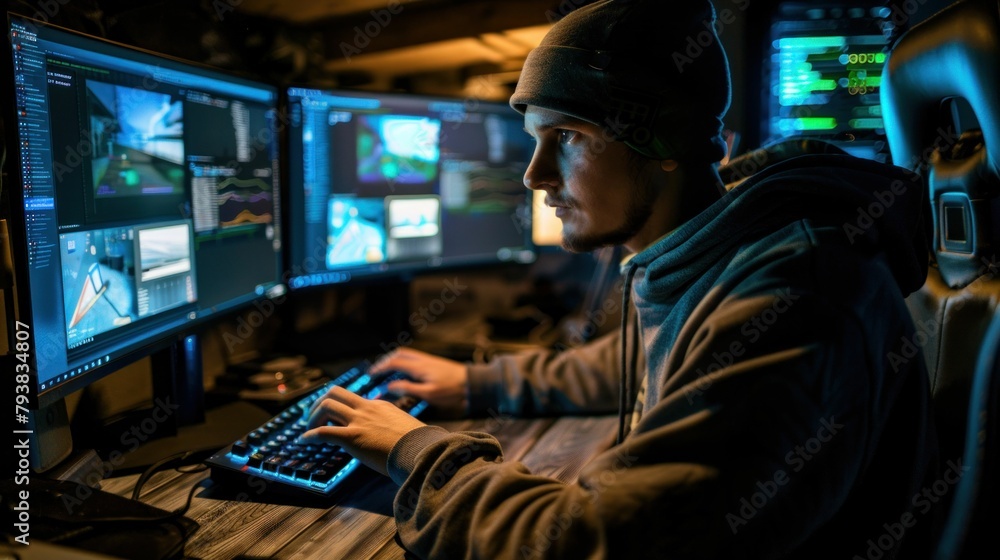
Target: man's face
[[600, 195]]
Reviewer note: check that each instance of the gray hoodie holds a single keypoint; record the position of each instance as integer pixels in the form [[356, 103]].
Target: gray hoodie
[[784, 413]]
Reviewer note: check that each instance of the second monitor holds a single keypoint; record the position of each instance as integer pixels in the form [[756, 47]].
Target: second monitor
[[389, 184]]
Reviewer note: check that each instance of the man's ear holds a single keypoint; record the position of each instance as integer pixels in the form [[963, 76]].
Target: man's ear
[[668, 165]]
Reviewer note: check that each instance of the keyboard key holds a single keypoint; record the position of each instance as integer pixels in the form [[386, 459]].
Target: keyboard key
[[336, 462], [275, 448], [256, 460], [305, 470], [240, 448], [406, 402], [322, 476], [289, 467], [268, 450]]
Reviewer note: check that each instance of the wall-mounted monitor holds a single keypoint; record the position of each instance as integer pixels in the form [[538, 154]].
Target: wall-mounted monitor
[[825, 74]]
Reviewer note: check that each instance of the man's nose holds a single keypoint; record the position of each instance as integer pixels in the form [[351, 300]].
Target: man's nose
[[542, 173]]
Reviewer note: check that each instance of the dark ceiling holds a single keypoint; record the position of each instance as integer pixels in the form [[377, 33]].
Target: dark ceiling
[[456, 47]]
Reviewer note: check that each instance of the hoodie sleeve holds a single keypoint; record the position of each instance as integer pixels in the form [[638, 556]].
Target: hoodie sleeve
[[710, 468], [574, 381]]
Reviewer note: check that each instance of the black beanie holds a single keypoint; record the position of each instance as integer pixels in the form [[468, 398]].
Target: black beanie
[[651, 73]]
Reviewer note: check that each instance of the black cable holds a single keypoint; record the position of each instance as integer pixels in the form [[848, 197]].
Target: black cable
[[149, 472], [168, 516], [100, 520], [194, 469], [3, 154]]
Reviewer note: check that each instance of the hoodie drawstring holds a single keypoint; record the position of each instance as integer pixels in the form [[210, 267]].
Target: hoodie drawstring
[[626, 377]]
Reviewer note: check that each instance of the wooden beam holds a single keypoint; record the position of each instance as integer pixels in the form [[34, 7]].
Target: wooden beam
[[304, 13], [428, 22]]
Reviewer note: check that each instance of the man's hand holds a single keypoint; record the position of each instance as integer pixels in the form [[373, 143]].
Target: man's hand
[[439, 381], [367, 429]]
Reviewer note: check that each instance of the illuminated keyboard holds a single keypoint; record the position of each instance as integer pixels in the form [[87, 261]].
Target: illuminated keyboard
[[273, 452]]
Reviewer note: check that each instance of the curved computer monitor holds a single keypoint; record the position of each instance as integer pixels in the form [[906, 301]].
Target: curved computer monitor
[[141, 199], [388, 184]]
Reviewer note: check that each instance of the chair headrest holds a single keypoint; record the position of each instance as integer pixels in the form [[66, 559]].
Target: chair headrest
[[954, 54]]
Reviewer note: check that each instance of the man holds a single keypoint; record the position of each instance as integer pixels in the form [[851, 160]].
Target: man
[[760, 413]]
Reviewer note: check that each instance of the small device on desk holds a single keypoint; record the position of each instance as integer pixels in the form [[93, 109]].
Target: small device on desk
[[271, 381], [87, 519], [273, 451]]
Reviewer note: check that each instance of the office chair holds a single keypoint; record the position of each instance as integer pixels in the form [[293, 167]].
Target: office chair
[[940, 75]]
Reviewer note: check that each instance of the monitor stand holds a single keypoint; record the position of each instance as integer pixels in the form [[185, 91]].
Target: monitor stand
[[49, 436]]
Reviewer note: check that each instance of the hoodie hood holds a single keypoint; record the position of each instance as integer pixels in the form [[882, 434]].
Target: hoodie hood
[[874, 207], [878, 207]]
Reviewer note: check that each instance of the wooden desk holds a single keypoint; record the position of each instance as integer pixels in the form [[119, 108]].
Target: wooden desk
[[358, 523]]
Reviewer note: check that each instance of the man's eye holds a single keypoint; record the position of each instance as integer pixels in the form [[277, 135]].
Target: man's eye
[[565, 136]]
